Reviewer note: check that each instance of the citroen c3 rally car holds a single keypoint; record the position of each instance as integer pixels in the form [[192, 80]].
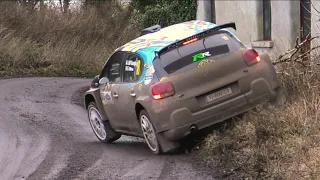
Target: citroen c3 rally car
[[172, 81]]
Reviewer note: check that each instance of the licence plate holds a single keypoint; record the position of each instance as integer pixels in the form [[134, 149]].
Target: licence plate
[[219, 94]]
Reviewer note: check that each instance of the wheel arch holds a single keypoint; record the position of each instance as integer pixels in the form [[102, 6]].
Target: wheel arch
[[138, 108], [88, 99], [92, 97], [164, 145]]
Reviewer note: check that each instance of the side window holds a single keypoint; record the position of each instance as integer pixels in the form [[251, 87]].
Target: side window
[[305, 18], [133, 67], [112, 69], [266, 19]]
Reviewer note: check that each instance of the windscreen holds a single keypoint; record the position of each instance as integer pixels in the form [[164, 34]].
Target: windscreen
[[219, 44]]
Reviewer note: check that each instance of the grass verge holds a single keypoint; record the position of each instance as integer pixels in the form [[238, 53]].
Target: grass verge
[[48, 42], [269, 142]]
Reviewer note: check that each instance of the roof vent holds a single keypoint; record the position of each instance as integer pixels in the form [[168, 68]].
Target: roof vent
[[151, 29]]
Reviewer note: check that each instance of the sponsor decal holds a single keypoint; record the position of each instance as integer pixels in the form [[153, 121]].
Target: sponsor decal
[[148, 80], [147, 66], [106, 97], [130, 65], [205, 62], [106, 94], [130, 69], [164, 79], [198, 56], [140, 86], [130, 62], [161, 38], [108, 87], [149, 75], [138, 64], [225, 38], [142, 43], [150, 71]]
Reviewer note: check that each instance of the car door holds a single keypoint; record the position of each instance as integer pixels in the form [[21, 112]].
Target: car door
[[132, 70], [110, 91]]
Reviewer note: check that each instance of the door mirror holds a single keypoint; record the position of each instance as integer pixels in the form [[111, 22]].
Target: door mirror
[[103, 80]]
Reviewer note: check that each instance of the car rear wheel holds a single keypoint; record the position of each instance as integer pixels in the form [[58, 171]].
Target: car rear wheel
[[149, 132], [101, 128]]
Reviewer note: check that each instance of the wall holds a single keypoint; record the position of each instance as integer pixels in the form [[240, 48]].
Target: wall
[[285, 27], [315, 25], [204, 10], [243, 13], [248, 17]]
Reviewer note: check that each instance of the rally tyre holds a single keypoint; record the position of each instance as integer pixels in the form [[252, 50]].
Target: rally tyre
[[101, 128], [149, 132]]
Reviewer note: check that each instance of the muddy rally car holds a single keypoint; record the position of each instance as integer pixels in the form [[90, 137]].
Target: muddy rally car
[[173, 81]]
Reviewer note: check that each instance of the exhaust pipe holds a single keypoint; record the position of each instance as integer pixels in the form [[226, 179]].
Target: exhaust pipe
[[193, 128]]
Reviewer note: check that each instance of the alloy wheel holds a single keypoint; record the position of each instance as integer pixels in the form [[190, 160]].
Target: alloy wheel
[[97, 123], [149, 133]]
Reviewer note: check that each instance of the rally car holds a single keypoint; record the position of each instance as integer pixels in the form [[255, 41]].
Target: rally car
[[173, 81]]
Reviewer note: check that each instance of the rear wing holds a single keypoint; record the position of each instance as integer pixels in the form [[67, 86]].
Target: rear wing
[[195, 37]]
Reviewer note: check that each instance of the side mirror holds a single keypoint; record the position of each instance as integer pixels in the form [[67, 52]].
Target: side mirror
[[103, 80], [95, 82]]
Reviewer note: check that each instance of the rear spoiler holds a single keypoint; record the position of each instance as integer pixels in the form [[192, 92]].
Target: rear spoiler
[[198, 36]]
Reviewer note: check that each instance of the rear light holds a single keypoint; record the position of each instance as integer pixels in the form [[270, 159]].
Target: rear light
[[190, 41], [251, 57], [161, 89]]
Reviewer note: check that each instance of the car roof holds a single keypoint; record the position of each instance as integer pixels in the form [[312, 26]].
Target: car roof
[[166, 36]]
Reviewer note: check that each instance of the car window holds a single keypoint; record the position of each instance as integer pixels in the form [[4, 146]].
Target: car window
[[213, 47], [112, 69], [133, 67]]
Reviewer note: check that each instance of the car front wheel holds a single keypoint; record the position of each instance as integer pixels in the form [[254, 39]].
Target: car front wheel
[[101, 128], [149, 132]]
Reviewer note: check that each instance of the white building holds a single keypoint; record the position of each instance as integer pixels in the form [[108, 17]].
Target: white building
[[270, 26]]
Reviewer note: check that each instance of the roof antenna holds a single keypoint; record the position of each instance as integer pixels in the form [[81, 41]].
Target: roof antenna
[[151, 29]]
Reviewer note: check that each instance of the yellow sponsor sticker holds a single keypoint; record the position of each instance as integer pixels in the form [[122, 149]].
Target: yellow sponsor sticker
[[205, 62], [225, 38], [164, 79], [138, 65]]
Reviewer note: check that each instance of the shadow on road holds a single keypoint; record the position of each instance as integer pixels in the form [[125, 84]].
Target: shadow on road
[[188, 144]]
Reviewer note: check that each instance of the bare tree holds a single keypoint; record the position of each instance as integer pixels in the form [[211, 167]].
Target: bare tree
[[66, 4]]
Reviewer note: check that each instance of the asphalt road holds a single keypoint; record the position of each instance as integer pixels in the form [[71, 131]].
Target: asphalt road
[[45, 135]]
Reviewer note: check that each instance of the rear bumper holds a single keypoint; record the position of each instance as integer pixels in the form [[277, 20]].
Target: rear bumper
[[173, 118], [182, 119]]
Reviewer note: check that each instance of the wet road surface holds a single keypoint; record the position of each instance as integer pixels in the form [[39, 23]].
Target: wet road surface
[[44, 135]]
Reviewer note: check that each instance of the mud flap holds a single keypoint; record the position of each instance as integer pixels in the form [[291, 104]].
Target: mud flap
[[167, 146], [112, 135], [280, 98]]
